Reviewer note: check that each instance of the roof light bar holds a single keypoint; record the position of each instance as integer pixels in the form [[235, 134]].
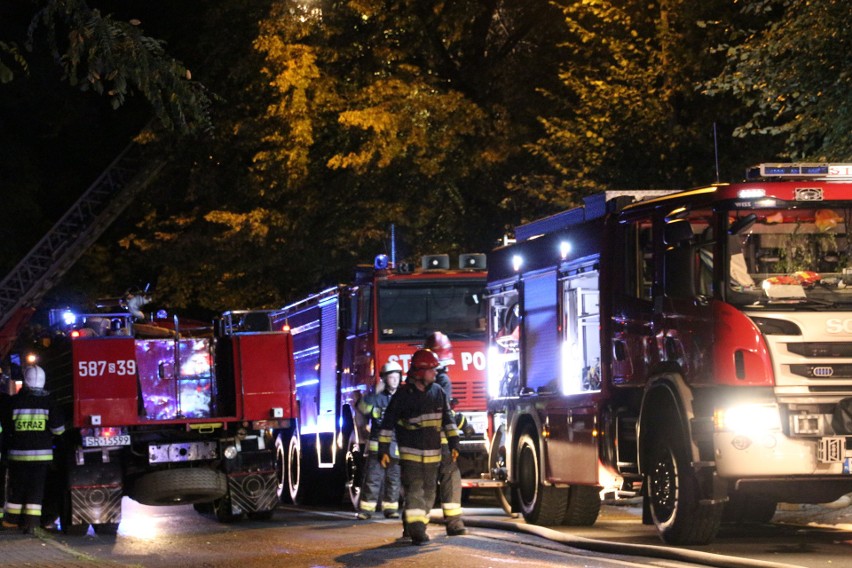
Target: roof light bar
[[801, 171]]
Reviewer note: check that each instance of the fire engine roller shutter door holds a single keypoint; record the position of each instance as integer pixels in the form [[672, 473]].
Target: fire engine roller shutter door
[[326, 414], [540, 333]]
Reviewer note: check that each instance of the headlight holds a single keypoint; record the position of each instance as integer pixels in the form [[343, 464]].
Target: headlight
[[747, 418], [231, 452]]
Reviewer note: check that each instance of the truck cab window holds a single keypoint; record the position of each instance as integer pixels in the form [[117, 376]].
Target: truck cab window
[[639, 260]]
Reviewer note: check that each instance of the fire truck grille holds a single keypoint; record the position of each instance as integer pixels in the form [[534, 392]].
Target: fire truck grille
[[471, 395], [822, 371], [821, 349]]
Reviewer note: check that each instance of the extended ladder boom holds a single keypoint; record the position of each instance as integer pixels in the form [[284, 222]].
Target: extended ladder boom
[[23, 288]]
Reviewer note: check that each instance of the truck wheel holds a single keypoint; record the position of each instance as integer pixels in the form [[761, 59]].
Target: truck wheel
[[298, 475], [354, 469], [282, 489], [222, 511], [65, 519], [497, 469], [540, 504], [180, 486], [106, 529], [584, 505], [672, 489]]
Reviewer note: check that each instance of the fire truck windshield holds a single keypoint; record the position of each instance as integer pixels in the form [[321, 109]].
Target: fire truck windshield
[[799, 257], [412, 310]]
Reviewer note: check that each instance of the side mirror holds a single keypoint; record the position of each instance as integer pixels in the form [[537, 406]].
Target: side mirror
[[742, 224], [677, 231]]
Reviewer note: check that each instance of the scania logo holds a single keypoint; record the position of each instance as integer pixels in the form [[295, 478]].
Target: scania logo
[[837, 325], [822, 371]]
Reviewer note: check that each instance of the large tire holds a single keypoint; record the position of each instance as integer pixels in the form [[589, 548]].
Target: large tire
[[106, 529], [182, 486], [540, 504], [65, 519], [584, 506], [222, 511], [497, 462], [672, 489], [354, 469], [281, 447], [298, 472]]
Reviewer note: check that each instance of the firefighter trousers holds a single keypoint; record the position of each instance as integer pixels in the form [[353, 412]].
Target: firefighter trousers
[[381, 483], [419, 482], [25, 493], [450, 487]]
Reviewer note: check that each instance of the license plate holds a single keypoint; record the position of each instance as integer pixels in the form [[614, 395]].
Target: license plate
[[98, 441]]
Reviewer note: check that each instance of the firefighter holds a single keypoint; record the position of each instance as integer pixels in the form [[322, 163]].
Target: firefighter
[[379, 480], [33, 420], [418, 414], [6, 390], [449, 476]]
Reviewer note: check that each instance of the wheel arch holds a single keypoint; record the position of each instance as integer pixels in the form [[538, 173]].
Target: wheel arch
[[666, 403], [521, 422]]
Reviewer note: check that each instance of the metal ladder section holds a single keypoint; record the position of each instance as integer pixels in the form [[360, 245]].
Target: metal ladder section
[[76, 231]]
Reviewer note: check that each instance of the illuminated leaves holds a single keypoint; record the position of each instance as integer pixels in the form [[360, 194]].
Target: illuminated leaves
[[790, 66]]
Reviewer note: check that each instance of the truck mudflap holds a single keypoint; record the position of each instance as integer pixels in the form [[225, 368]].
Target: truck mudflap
[[95, 495], [252, 483]]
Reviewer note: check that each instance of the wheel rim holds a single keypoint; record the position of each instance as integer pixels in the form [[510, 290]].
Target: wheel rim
[[497, 463], [663, 487], [294, 467], [527, 476], [280, 470], [353, 473]]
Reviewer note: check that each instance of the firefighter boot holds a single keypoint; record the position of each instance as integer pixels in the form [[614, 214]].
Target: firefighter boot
[[417, 532], [455, 527]]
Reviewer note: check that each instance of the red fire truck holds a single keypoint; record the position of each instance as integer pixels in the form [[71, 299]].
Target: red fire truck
[[695, 346], [341, 338], [167, 412]]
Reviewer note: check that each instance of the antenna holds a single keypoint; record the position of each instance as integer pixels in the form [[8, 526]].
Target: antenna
[[393, 245], [716, 152]]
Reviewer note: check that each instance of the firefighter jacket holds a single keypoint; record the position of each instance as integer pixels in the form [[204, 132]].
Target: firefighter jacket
[[418, 418], [442, 379], [33, 419], [373, 406]]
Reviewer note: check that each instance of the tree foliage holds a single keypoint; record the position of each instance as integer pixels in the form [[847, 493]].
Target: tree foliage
[[450, 120], [789, 62], [375, 114], [112, 58], [628, 113]]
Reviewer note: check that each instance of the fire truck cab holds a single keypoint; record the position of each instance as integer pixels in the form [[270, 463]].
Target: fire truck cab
[[693, 347]]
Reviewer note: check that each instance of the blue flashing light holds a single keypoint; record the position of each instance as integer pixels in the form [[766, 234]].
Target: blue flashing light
[[381, 262], [69, 318]]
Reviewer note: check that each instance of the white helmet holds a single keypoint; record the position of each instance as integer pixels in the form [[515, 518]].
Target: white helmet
[[390, 367], [34, 377]]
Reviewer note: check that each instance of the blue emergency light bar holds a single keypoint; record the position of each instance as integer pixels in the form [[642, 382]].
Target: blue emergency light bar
[[804, 170]]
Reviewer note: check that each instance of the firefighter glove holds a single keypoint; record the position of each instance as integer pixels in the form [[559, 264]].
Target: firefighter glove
[[455, 453], [385, 460]]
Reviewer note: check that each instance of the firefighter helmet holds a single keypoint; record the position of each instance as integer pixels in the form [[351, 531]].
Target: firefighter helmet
[[34, 377], [440, 344], [423, 360], [390, 367]]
